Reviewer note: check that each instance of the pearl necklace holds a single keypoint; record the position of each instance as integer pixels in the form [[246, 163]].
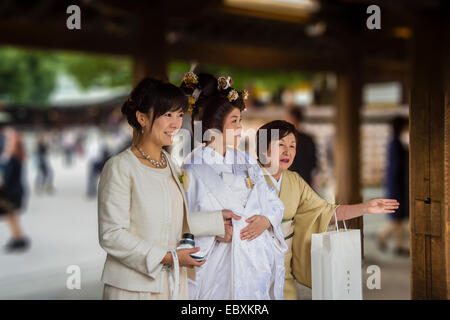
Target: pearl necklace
[[154, 162]]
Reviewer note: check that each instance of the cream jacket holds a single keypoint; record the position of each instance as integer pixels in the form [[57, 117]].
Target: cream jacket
[[134, 209]]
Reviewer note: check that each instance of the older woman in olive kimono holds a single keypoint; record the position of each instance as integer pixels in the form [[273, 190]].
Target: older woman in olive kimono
[[305, 212]]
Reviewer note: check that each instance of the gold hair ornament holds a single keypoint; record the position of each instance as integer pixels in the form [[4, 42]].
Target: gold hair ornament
[[232, 95], [224, 83], [190, 79]]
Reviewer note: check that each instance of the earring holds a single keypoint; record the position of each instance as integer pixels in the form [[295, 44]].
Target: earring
[[142, 130]]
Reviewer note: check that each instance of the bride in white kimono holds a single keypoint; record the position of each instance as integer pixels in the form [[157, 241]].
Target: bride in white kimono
[[218, 177]]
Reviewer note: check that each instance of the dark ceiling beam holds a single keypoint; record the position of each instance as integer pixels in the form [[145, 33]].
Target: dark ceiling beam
[[350, 16], [109, 8], [309, 55], [53, 36], [385, 70], [269, 16], [5, 6], [252, 57], [220, 53], [174, 8], [41, 9]]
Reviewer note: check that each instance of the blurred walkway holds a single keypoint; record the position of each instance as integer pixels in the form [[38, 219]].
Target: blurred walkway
[[63, 232], [63, 229], [395, 270]]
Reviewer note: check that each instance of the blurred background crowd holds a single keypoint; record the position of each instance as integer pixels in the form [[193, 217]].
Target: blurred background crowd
[[60, 119]]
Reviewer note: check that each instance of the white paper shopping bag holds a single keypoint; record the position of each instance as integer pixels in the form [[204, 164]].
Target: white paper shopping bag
[[336, 265]]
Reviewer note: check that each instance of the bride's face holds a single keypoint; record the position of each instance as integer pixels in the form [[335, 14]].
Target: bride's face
[[232, 127]]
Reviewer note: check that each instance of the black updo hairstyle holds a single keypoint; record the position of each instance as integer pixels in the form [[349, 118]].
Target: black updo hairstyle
[[212, 105], [153, 94], [206, 83], [284, 128], [207, 86]]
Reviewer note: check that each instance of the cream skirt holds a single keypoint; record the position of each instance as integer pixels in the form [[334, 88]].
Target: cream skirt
[[113, 293]]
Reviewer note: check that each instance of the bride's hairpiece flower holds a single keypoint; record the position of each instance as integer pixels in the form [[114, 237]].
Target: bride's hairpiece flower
[[190, 79], [232, 95], [224, 83]]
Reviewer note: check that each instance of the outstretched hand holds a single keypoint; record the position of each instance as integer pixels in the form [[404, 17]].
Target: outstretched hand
[[377, 206]]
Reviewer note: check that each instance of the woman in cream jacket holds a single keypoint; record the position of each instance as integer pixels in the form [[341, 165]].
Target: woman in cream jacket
[[142, 209], [305, 212]]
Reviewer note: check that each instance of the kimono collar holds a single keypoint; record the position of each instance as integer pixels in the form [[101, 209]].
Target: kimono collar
[[271, 180], [277, 184], [217, 161]]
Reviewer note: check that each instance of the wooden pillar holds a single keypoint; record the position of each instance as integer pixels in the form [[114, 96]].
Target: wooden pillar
[[151, 60], [347, 146], [406, 90], [429, 162]]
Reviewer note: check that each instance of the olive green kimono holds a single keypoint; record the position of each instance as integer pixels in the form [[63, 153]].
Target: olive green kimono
[[305, 213]]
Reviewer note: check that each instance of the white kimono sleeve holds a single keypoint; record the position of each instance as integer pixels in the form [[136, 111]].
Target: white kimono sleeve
[[201, 223]]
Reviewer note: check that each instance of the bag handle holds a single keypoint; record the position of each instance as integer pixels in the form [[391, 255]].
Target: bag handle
[[174, 276], [336, 221]]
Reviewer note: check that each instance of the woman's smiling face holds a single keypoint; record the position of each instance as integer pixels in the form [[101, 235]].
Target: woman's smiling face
[[165, 127], [281, 153]]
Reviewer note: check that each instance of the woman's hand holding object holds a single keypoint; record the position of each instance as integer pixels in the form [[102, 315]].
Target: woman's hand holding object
[[184, 258]]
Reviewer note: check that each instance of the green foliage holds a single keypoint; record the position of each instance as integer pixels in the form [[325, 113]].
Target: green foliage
[[26, 76], [97, 71], [30, 76]]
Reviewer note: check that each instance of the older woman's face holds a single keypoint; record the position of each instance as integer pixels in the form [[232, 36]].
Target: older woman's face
[[232, 127], [281, 153], [166, 127]]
